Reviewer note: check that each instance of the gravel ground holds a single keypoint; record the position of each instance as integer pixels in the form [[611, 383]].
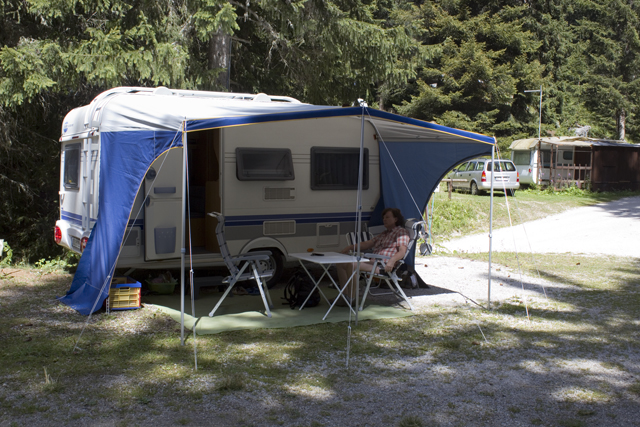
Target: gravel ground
[[551, 380]]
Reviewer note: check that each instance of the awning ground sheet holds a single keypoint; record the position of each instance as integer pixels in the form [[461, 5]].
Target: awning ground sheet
[[247, 311]]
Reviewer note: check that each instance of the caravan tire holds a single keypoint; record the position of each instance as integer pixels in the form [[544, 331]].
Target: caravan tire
[[276, 263]]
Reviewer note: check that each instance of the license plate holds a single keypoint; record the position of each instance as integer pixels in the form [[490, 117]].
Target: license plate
[[75, 243]]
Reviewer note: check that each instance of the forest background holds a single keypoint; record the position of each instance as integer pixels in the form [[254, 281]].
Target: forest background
[[461, 63]]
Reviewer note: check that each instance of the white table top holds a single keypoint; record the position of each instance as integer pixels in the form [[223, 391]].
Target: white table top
[[327, 257]]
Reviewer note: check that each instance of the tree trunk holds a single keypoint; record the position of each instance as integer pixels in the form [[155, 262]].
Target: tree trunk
[[220, 59], [621, 120]]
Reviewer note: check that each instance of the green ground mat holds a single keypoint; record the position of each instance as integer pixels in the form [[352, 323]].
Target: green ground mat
[[247, 312]]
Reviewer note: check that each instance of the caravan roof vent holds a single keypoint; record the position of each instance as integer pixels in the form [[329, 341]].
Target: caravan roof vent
[[162, 90], [262, 97]]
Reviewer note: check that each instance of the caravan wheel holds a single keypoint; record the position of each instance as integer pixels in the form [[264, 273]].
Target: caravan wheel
[[276, 263]]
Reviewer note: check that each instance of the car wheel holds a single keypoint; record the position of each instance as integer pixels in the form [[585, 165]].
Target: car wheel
[[474, 189]]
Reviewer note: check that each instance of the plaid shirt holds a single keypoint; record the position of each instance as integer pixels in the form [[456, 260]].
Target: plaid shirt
[[388, 243]]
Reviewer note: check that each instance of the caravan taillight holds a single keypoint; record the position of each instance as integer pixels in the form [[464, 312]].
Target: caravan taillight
[[517, 176], [57, 235], [83, 243], [484, 177]]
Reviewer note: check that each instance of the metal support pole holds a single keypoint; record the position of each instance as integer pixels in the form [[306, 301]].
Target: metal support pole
[[493, 168], [184, 219], [356, 278]]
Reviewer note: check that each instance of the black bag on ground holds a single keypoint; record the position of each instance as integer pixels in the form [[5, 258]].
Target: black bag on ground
[[298, 289]]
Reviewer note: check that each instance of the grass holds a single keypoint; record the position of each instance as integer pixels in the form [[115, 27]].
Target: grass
[[466, 214], [574, 362], [143, 368]]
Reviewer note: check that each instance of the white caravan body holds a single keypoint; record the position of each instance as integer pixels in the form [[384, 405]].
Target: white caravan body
[[283, 186]]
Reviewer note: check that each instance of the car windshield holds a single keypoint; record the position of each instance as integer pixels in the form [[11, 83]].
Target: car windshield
[[502, 167]]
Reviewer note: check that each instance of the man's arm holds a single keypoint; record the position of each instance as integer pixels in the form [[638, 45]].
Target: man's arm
[[391, 262], [363, 246]]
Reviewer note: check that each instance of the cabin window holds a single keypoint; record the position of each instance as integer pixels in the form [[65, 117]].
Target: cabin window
[[334, 168], [264, 164], [567, 155], [521, 157], [546, 158], [71, 166]]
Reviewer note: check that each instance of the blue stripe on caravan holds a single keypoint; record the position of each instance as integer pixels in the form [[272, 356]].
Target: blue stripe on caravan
[[235, 221], [73, 217]]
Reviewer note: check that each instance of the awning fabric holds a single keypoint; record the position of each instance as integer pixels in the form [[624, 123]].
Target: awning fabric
[[136, 127]]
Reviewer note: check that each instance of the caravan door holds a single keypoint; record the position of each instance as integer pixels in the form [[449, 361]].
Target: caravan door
[[163, 207]]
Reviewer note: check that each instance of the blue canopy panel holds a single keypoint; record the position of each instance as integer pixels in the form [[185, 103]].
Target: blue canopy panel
[[124, 161], [410, 171], [130, 143]]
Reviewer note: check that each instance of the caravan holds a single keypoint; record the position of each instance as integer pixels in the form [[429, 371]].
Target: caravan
[[283, 186], [283, 173], [545, 160]]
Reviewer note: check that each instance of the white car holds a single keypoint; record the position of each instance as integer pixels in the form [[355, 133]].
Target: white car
[[475, 176]]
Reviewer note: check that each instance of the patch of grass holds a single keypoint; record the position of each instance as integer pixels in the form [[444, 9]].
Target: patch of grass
[[634, 388], [410, 421], [571, 423], [467, 214], [230, 382]]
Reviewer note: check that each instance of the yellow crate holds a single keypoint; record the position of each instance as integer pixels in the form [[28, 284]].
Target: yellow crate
[[124, 294]]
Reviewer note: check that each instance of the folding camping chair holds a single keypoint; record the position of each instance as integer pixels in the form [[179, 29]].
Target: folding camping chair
[[415, 229], [238, 265]]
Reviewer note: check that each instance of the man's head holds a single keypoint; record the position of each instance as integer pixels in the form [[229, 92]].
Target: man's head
[[392, 217]]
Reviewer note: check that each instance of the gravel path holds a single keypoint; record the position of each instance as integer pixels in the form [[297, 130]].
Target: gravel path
[[608, 228]]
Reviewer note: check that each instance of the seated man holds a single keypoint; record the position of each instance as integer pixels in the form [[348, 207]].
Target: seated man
[[392, 243]]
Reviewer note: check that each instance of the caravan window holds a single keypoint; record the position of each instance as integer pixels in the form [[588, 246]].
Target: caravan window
[[337, 168], [521, 157], [264, 164], [71, 166]]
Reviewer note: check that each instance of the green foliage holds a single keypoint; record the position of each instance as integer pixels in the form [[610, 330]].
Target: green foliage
[[462, 63], [58, 264], [7, 255]]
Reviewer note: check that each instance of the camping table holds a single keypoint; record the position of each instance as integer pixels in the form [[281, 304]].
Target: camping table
[[326, 260]]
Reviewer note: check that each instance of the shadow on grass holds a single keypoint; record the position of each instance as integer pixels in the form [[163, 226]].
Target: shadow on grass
[[453, 365]]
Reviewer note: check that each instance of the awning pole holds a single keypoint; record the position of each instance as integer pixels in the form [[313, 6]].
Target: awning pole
[[493, 169], [363, 104], [184, 206]]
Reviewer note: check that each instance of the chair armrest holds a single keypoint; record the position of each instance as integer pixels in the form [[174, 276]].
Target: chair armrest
[[376, 256], [252, 257]]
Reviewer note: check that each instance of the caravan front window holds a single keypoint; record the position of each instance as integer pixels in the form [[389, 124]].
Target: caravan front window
[[522, 157], [71, 166], [337, 168], [264, 164]]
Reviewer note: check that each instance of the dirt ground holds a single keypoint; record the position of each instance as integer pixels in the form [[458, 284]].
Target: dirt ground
[[607, 228]]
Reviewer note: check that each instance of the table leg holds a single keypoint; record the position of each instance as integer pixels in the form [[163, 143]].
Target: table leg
[[316, 284], [340, 294]]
